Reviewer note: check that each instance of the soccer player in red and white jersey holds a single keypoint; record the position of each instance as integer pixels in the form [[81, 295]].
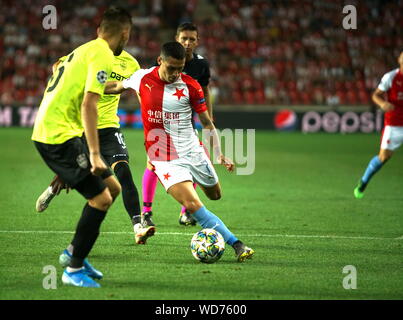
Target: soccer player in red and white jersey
[[198, 68], [392, 138], [167, 99]]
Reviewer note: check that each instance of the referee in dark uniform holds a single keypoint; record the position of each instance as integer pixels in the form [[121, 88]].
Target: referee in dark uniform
[[196, 66]]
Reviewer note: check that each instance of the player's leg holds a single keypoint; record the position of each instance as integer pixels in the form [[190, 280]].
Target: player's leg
[[114, 189], [186, 195], [130, 194], [115, 153], [87, 232], [392, 138], [149, 185], [212, 192], [206, 177], [204, 173], [57, 185], [54, 188], [185, 218], [113, 185], [132, 203], [77, 175], [373, 167]]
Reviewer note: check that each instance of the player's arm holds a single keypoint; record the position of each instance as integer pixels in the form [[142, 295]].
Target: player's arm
[[204, 83], [215, 141], [117, 87], [99, 66], [114, 87], [89, 116], [379, 100], [209, 105]]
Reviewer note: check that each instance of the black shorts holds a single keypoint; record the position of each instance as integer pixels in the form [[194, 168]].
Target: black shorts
[[113, 146], [70, 162]]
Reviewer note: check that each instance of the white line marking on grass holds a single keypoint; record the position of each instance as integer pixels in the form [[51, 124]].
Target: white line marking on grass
[[301, 236]]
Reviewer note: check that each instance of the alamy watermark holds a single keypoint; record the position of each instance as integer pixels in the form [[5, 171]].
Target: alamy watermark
[[238, 145], [350, 20], [350, 280], [50, 280], [50, 19]]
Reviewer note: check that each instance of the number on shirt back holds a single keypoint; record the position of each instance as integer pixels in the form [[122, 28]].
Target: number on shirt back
[[59, 75], [121, 141]]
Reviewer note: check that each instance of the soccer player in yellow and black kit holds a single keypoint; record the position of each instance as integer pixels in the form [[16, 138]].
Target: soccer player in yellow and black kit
[[113, 149], [69, 109]]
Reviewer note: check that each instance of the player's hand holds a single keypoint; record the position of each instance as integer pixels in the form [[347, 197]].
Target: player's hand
[[98, 166], [388, 107], [227, 163]]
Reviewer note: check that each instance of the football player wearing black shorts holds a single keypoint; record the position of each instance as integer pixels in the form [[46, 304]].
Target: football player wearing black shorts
[[69, 109], [113, 150]]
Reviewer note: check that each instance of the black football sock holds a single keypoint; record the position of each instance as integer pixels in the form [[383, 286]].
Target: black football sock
[[130, 194], [87, 232]]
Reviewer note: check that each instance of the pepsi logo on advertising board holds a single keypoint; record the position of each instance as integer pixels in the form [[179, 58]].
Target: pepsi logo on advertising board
[[285, 120]]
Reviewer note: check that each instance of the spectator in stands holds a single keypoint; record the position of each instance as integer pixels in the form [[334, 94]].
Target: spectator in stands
[[272, 42]]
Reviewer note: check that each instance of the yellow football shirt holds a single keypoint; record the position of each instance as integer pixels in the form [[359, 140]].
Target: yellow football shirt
[[123, 67], [86, 69]]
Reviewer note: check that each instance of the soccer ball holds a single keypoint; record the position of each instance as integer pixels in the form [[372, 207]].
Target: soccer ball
[[207, 245]]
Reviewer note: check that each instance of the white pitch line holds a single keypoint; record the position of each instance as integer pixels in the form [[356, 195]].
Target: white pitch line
[[240, 235]]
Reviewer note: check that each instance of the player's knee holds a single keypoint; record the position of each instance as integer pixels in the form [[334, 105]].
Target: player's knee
[[115, 190], [102, 201], [192, 205], [383, 159], [105, 202], [114, 186], [385, 156], [215, 195]]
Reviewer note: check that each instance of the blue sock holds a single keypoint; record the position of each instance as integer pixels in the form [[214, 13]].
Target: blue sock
[[208, 219], [374, 165]]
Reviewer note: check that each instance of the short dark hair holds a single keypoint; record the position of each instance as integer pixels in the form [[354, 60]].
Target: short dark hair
[[173, 49], [186, 26], [114, 19]]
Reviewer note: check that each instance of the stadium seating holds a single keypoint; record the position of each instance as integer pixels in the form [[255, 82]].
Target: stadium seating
[[261, 52]]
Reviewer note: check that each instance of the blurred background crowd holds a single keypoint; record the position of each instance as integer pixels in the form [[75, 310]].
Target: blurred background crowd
[[261, 52]]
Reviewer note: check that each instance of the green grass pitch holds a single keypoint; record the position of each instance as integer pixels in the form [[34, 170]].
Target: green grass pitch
[[297, 211]]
